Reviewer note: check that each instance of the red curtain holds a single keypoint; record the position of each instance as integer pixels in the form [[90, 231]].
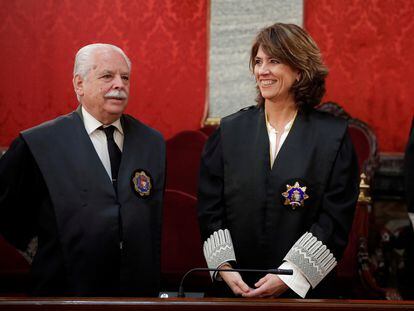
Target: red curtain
[[368, 46], [165, 39]]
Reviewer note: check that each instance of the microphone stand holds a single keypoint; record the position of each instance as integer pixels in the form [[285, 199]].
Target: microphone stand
[[271, 271]]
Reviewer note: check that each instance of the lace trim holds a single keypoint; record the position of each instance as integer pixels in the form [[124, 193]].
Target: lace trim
[[218, 248], [312, 257]]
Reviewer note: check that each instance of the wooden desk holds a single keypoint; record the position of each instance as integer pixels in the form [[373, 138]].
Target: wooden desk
[[188, 304]]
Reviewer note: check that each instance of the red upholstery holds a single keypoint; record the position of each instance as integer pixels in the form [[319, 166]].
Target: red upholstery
[[348, 265], [208, 129], [183, 161], [181, 242]]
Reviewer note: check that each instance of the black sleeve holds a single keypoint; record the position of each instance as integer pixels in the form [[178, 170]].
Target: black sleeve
[[339, 200], [409, 171], [21, 189], [210, 190]]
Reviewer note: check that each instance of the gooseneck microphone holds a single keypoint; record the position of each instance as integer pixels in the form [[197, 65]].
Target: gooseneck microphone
[[271, 271]]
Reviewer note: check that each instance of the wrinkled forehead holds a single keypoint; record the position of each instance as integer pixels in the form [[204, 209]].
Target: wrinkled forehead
[[106, 59]]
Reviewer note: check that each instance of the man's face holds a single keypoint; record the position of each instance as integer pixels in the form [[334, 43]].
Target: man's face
[[105, 89]]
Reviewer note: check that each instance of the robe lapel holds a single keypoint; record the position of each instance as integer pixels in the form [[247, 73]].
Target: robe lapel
[[135, 156], [254, 148], [261, 146], [125, 171], [89, 161]]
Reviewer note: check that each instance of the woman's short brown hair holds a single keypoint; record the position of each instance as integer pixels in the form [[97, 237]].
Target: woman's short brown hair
[[293, 46]]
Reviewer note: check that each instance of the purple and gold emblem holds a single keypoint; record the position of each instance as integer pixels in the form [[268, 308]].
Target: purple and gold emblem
[[141, 183], [295, 195]]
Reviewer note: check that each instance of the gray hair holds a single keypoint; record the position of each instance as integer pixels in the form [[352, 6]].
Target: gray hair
[[83, 59]]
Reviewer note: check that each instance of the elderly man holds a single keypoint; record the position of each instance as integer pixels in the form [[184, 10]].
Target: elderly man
[[89, 185]]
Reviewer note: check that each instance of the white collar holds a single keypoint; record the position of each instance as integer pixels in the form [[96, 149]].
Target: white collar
[[287, 126], [91, 124]]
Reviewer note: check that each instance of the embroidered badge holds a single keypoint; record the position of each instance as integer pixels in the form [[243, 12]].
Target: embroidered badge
[[295, 195], [141, 183]]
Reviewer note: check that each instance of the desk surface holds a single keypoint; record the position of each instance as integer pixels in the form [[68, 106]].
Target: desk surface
[[120, 304]]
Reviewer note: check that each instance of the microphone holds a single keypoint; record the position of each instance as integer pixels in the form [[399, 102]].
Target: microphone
[[272, 271]]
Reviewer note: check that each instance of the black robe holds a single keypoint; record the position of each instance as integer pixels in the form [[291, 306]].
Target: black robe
[[54, 186], [240, 192]]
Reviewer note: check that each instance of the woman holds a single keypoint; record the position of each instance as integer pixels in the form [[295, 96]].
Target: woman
[[279, 180]]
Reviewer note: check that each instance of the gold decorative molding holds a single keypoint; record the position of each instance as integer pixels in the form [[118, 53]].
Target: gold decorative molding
[[212, 122], [364, 190]]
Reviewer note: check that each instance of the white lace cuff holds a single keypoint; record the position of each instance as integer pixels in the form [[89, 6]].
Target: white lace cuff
[[312, 258], [218, 249]]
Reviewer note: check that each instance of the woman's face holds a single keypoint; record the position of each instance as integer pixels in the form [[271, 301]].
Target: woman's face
[[274, 78]]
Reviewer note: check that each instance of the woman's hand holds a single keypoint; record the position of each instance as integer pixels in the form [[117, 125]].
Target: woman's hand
[[234, 281], [268, 286]]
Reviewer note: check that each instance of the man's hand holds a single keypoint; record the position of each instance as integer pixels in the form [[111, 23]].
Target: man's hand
[[234, 281], [268, 286]]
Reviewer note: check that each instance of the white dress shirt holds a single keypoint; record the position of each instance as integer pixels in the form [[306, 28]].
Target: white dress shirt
[[277, 139], [297, 282], [98, 138]]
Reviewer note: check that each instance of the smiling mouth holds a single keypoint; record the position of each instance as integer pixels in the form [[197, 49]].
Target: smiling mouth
[[266, 83]]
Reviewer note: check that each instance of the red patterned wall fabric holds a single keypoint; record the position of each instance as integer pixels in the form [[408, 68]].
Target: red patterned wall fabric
[[368, 46], [165, 39]]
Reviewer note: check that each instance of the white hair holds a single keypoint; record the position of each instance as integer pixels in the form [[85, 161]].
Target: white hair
[[83, 59]]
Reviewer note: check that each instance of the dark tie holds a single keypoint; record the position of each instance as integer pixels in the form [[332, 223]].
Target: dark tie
[[114, 153]]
